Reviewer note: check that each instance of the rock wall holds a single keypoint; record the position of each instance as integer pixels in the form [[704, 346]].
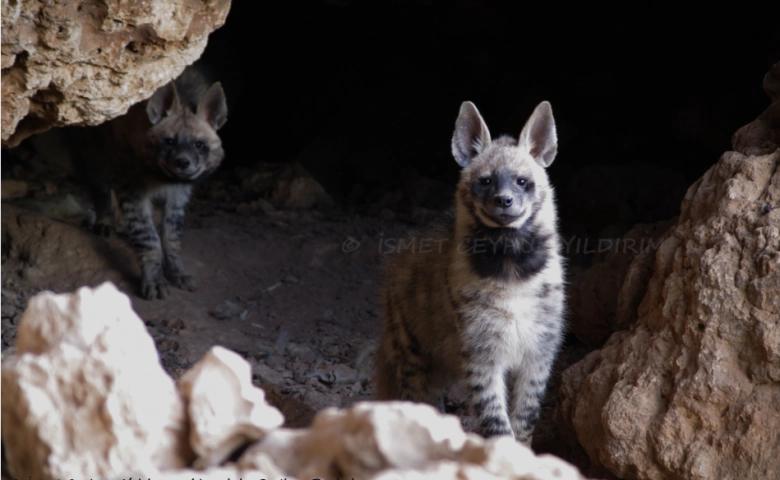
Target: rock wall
[[83, 63], [692, 390]]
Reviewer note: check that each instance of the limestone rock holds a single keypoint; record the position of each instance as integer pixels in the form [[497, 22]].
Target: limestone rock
[[80, 63], [226, 411], [693, 389], [84, 395], [398, 440], [593, 303], [214, 473]]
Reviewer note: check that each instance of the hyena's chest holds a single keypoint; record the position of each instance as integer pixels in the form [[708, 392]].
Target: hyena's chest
[[160, 201], [509, 321]]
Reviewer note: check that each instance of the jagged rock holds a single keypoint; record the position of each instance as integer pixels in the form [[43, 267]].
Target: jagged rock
[[595, 312], [84, 395], [398, 440], [85, 63], [226, 411], [693, 389], [215, 473]]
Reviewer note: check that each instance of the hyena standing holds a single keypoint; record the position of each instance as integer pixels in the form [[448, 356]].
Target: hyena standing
[[151, 157], [483, 300]]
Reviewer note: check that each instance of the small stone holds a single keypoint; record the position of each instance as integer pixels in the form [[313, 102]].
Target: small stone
[[8, 310], [8, 295], [343, 373], [267, 374], [277, 362], [227, 310], [304, 353], [320, 400]]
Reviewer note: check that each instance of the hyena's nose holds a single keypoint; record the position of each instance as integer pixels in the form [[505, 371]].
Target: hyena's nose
[[502, 201], [181, 163]]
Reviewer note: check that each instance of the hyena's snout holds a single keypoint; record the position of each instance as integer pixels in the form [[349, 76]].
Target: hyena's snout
[[503, 201], [184, 163], [504, 206]]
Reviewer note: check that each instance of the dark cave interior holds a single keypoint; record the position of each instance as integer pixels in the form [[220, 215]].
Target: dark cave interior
[[365, 94]]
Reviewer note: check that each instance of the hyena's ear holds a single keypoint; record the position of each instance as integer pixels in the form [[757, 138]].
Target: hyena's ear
[[164, 103], [539, 137], [471, 135], [213, 107]]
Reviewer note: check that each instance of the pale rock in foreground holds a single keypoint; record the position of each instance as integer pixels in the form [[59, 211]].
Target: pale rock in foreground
[[226, 411], [84, 395], [398, 440], [214, 473]]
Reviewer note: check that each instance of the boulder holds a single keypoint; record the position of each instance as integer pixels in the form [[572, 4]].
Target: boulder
[[225, 410], [692, 390], [84, 395], [398, 440], [77, 63]]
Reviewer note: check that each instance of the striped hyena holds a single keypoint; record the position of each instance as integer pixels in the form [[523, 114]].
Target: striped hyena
[[150, 157], [478, 295]]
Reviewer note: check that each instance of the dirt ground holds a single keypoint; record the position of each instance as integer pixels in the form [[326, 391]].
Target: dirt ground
[[295, 292]]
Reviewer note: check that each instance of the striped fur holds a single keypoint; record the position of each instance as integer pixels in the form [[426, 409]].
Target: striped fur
[[485, 302], [151, 157]]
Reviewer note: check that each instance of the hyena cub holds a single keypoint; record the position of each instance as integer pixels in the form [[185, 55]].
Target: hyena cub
[[151, 157], [478, 295]]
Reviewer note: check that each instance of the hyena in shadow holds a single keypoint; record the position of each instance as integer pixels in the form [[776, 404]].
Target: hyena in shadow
[[484, 301], [151, 157]]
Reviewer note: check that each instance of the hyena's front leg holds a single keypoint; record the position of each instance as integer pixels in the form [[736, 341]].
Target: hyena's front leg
[[485, 380], [137, 213], [172, 225], [526, 390]]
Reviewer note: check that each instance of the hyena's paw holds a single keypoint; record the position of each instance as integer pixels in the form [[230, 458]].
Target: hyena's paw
[[183, 280], [154, 287]]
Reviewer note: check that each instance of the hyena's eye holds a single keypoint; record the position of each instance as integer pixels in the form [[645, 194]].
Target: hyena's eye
[[485, 181], [168, 141], [522, 182], [198, 145]]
